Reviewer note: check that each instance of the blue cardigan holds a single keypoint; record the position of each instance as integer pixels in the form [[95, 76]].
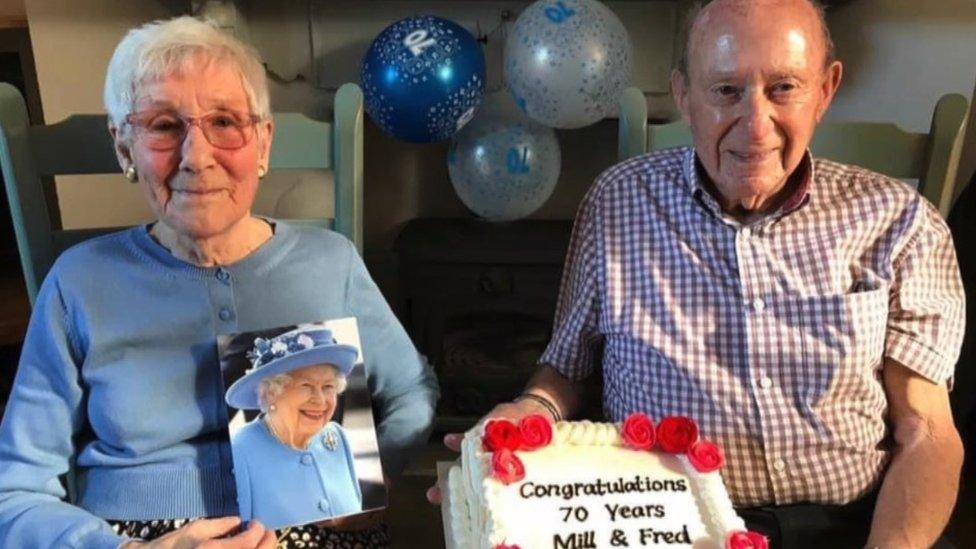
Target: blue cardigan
[[281, 486], [119, 376]]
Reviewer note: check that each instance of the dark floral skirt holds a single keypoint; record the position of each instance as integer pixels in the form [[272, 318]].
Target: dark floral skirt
[[298, 537]]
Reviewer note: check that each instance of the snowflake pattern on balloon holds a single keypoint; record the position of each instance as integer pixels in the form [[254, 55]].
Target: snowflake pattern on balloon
[[567, 62], [433, 44], [377, 105], [422, 78], [449, 116], [504, 167]]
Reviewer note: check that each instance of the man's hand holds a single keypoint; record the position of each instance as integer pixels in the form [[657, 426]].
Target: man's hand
[[565, 396], [204, 534], [513, 411]]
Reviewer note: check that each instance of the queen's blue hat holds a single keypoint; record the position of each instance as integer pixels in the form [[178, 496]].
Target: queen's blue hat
[[289, 351]]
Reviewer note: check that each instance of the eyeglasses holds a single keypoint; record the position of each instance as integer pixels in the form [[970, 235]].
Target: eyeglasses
[[164, 130]]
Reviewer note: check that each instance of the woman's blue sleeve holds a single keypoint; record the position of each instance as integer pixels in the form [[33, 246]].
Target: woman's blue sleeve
[[404, 386], [45, 412]]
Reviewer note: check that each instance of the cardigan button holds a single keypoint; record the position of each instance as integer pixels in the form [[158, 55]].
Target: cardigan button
[[225, 314], [324, 505], [222, 274], [306, 459]]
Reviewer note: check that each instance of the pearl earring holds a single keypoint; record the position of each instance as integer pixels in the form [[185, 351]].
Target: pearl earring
[[262, 171], [272, 408], [131, 175]]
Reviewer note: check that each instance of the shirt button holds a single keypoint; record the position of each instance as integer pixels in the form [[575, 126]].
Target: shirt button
[[779, 465], [324, 505], [765, 382], [222, 275], [225, 314], [746, 232], [758, 305], [306, 459]]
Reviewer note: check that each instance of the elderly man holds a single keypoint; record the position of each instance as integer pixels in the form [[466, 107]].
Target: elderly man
[[806, 313]]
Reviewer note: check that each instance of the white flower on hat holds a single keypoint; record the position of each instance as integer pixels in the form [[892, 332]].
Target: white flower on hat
[[305, 342], [279, 348]]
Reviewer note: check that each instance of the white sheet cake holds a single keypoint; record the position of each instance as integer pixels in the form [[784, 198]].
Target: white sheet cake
[[587, 489]]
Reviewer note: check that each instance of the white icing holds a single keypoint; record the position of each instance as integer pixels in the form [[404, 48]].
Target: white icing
[[460, 522], [714, 501], [485, 513]]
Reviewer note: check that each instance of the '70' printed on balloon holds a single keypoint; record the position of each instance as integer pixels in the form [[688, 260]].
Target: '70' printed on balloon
[[517, 163], [559, 13], [417, 42]]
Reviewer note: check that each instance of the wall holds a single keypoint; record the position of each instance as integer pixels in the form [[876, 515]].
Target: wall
[[72, 43], [900, 56], [12, 9], [967, 162]]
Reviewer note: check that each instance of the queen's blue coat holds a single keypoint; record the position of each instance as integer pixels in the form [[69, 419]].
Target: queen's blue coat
[[281, 486]]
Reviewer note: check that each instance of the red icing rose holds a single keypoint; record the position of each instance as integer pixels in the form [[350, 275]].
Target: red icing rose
[[536, 432], [746, 540], [506, 546], [638, 432], [506, 467], [675, 434], [501, 433], [706, 456]]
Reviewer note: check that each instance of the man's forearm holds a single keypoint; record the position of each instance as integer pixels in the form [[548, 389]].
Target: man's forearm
[[566, 395], [919, 491]]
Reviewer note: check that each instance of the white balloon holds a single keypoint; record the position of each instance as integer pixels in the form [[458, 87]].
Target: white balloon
[[503, 165], [567, 61]]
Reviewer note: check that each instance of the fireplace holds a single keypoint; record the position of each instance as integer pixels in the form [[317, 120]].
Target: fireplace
[[478, 299]]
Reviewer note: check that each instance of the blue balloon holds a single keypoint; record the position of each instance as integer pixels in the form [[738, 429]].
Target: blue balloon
[[422, 78]]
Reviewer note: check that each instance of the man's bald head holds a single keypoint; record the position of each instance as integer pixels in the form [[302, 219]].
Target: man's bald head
[[701, 10], [756, 86]]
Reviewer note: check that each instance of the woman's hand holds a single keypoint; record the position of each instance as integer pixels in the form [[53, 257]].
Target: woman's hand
[[204, 534], [513, 411]]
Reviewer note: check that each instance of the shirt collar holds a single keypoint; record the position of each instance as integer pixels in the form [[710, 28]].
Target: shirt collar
[[694, 172]]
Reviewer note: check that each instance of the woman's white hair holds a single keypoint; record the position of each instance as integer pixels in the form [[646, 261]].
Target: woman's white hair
[[165, 47], [270, 388]]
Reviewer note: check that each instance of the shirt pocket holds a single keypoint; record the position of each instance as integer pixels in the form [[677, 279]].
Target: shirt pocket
[[833, 363], [846, 329]]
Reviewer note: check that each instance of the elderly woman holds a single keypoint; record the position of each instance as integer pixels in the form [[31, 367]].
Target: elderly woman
[[119, 379], [292, 464]]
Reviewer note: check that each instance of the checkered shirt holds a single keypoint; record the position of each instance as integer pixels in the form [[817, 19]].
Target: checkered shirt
[[771, 336]]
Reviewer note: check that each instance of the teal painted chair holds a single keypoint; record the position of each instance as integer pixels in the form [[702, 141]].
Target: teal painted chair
[[81, 144], [932, 158]]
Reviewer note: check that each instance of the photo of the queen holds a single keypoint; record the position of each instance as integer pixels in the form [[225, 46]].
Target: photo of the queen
[[293, 464]]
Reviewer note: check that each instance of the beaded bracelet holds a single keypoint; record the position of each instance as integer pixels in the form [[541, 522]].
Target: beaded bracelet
[[545, 402]]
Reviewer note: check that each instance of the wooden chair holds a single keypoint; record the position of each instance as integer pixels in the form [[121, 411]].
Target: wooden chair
[[932, 157], [81, 144]]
